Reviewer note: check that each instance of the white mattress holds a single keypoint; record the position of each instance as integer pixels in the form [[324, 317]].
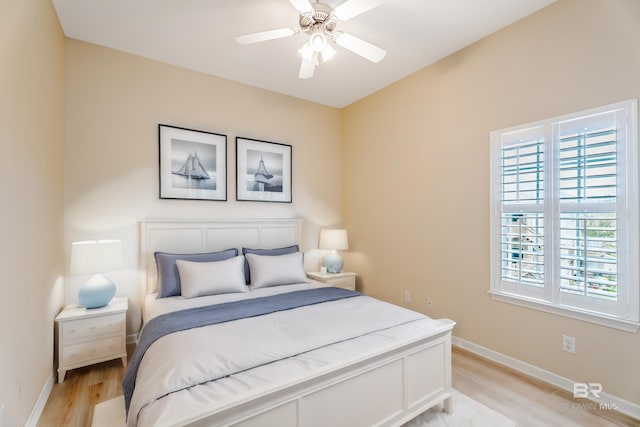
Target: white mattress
[[215, 395]]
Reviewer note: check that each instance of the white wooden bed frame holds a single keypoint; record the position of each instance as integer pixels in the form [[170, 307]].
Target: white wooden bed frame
[[387, 389]]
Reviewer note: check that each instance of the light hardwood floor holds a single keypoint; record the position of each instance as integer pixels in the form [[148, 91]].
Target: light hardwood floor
[[527, 401], [71, 402]]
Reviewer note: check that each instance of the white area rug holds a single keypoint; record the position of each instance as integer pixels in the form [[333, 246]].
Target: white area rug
[[109, 413], [466, 413]]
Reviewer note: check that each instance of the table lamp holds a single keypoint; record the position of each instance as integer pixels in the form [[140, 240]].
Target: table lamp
[[96, 257], [334, 240]]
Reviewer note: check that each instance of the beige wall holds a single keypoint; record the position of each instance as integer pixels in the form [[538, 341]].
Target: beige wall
[[31, 138], [114, 102], [416, 178]]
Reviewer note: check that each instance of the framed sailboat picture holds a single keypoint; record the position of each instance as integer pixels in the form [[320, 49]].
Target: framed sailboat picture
[[193, 164], [263, 171]]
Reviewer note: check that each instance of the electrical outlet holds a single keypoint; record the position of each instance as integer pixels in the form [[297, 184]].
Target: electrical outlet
[[407, 296], [429, 303], [569, 344]]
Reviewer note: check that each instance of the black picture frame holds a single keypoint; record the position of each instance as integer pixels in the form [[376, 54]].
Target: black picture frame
[[263, 171], [193, 164]]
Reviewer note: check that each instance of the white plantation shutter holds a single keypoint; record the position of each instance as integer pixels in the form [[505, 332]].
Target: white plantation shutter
[[565, 214], [523, 249], [522, 218], [588, 228], [522, 168]]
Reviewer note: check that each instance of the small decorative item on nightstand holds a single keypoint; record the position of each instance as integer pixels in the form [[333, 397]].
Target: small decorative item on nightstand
[[86, 336], [333, 240], [344, 280]]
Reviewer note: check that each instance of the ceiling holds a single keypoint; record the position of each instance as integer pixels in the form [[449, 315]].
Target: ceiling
[[200, 35]]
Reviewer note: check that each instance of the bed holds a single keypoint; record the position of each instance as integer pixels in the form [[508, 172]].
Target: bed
[[299, 353]]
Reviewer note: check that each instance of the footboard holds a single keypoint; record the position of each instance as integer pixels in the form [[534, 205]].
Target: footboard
[[387, 389]]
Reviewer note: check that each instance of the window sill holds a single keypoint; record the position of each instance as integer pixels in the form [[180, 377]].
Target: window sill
[[587, 316]]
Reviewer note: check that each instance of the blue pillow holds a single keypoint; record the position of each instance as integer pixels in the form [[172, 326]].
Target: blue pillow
[[268, 252], [168, 276]]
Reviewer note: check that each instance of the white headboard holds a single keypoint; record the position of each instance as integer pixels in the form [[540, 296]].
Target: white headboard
[[197, 236]]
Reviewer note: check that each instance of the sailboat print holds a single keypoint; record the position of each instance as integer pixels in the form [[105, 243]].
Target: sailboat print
[[262, 176], [192, 168]]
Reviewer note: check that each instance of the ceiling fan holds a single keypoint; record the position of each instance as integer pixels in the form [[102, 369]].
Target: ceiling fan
[[319, 21]]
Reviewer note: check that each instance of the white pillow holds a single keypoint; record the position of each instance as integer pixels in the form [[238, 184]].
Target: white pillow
[[276, 270], [211, 278]]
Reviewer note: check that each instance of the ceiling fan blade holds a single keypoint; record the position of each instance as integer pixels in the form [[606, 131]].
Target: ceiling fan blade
[[307, 67], [351, 8], [303, 6], [265, 35], [360, 47]]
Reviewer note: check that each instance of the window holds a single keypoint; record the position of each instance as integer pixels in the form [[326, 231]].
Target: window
[[564, 215]]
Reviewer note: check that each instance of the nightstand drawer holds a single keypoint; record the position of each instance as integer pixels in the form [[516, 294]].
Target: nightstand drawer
[[92, 349], [86, 328], [341, 282], [344, 280]]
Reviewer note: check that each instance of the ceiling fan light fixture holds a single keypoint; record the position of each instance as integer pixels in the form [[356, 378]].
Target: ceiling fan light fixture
[[318, 41], [306, 52], [328, 53]]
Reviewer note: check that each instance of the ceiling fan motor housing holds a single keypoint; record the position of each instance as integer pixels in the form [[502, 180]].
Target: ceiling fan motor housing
[[322, 16]]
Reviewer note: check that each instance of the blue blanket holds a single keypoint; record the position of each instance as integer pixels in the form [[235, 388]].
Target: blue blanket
[[226, 312]]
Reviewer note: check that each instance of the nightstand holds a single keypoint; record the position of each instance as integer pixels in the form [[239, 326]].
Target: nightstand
[[88, 336], [340, 280]]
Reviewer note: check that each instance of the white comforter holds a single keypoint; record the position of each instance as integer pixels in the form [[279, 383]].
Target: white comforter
[[191, 373]]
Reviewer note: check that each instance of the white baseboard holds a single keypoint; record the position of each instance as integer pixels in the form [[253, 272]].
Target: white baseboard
[[132, 338], [34, 417], [608, 400]]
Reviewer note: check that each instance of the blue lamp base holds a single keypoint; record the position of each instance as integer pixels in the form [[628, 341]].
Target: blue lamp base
[[333, 262], [96, 292]]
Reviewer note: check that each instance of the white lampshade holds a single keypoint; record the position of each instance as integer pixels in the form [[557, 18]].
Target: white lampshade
[[335, 239], [96, 256]]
